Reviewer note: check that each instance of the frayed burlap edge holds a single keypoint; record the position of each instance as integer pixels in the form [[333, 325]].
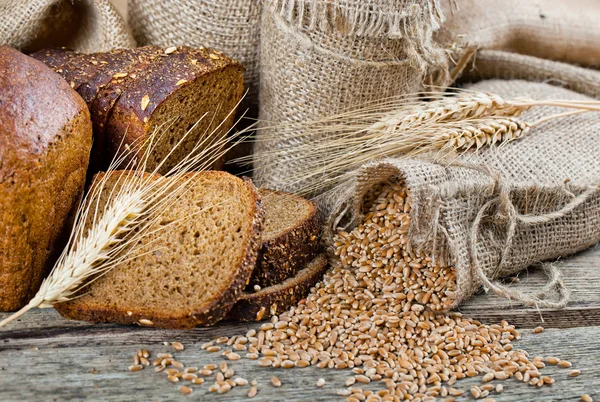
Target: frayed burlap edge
[[413, 21]]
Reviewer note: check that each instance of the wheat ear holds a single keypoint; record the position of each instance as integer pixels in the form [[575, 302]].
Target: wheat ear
[[99, 238], [324, 150]]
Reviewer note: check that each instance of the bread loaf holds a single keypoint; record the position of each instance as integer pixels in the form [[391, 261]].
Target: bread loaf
[[190, 273], [45, 141], [261, 305], [290, 239], [132, 92]]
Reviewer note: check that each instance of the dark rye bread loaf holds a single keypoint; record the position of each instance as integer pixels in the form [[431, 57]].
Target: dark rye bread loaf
[[261, 305], [45, 141], [188, 274], [290, 239], [132, 92]]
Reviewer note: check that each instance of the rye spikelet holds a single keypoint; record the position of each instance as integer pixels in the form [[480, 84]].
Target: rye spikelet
[[326, 149], [100, 237]]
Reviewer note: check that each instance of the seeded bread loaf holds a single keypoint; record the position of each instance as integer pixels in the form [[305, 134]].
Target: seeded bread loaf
[[290, 239], [261, 305], [132, 92], [45, 142], [188, 274]]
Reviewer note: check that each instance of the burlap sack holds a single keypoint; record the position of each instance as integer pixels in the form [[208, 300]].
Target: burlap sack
[[231, 26], [83, 25], [560, 30], [488, 64], [321, 57], [497, 211]]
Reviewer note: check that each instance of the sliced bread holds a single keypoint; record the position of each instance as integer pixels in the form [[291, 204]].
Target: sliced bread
[[261, 305], [290, 239], [132, 92], [195, 270]]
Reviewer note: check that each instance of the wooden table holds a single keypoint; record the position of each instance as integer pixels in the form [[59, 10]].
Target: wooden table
[[44, 357]]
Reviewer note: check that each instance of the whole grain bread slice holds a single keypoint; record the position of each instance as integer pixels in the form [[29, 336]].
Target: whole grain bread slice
[[290, 239], [190, 273], [261, 305]]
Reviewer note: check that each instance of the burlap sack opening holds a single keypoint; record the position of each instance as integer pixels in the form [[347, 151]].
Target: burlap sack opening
[[322, 57], [499, 210], [83, 25]]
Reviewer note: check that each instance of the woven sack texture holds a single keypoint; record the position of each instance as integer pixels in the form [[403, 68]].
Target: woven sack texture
[[231, 26], [322, 57], [497, 211], [488, 64], [83, 25], [560, 30]]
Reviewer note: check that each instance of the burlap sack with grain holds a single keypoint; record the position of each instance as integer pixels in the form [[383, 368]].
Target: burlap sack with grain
[[321, 57], [497, 211], [83, 25], [231, 26]]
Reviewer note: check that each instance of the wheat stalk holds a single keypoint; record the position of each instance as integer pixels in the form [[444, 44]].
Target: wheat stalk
[[324, 150], [99, 238]]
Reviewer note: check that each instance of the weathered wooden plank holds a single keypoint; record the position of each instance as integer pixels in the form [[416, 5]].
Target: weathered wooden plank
[[581, 273], [81, 361]]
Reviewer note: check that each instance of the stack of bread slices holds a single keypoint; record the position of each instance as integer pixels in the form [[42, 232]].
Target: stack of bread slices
[[236, 252]]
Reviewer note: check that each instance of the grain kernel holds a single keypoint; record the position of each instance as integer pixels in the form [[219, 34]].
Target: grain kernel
[[538, 330], [252, 392], [135, 367], [185, 390]]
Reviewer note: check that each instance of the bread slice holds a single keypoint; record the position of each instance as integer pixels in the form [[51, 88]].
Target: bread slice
[[45, 141], [278, 298], [195, 270], [290, 239]]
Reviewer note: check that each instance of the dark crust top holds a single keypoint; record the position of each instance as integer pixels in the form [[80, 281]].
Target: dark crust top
[[279, 298], [282, 256], [182, 66], [96, 312], [35, 104]]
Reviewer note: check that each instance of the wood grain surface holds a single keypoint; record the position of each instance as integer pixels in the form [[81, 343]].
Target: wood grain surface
[[44, 357]]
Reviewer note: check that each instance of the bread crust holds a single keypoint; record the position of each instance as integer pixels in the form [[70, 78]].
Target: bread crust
[[45, 141], [276, 299], [281, 257], [129, 122], [216, 310]]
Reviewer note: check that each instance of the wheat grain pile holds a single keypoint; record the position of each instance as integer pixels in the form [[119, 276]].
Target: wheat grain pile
[[379, 313]]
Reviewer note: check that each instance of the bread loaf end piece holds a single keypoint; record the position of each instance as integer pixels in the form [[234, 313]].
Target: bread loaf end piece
[[45, 142], [277, 299], [291, 238], [184, 87], [190, 273]]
